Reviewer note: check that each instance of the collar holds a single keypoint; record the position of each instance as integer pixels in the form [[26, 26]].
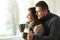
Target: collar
[[47, 17]]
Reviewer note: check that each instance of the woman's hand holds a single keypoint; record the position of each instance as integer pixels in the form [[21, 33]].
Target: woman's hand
[[30, 26], [30, 36]]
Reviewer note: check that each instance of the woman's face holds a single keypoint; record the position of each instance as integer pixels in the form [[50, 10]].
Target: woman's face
[[30, 16]]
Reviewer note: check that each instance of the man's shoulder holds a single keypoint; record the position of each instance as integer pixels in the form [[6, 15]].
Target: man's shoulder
[[55, 17]]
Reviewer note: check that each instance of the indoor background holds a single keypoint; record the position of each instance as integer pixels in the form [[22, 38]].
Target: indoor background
[[14, 12]]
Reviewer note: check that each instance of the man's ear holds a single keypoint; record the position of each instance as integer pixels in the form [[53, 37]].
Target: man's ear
[[45, 11]]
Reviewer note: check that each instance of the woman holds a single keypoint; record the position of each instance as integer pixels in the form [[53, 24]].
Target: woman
[[32, 19]]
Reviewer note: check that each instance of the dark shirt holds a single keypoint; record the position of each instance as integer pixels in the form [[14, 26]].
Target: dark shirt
[[52, 26]]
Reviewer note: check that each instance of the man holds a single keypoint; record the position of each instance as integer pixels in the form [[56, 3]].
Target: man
[[50, 21]]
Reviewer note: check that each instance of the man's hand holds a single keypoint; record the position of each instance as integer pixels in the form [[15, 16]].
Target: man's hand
[[30, 36]]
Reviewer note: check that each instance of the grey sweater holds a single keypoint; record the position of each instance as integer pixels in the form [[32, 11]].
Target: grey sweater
[[51, 21]]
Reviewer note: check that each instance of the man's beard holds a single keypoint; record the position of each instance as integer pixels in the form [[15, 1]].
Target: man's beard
[[39, 17]]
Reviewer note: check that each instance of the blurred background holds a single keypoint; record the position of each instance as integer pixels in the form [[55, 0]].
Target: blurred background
[[14, 12]]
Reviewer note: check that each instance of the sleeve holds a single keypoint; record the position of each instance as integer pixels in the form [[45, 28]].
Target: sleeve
[[26, 26], [37, 37], [24, 35], [54, 31]]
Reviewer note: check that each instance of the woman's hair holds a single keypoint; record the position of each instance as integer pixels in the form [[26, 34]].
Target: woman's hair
[[32, 10]]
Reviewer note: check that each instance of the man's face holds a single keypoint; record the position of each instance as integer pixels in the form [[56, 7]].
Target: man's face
[[40, 13]]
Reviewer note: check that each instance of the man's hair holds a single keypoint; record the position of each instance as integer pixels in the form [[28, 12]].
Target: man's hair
[[42, 4]]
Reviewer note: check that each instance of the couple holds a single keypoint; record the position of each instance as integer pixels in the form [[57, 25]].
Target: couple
[[50, 22]]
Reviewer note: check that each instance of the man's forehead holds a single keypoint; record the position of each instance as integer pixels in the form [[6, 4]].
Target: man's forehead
[[38, 8]]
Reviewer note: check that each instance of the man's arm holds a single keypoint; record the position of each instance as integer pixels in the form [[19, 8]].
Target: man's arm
[[54, 31]]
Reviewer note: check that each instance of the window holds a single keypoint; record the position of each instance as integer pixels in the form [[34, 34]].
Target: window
[[8, 17]]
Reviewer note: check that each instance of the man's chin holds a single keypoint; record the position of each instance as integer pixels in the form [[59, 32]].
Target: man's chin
[[39, 17]]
